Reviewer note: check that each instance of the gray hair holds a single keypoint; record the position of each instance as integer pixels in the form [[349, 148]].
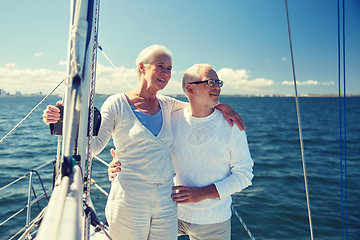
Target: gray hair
[[147, 55], [192, 74]]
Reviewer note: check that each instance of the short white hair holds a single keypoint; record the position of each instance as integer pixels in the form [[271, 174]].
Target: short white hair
[[192, 74], [147, 55]]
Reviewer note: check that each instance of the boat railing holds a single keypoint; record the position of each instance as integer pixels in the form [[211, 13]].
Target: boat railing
[[32, 192], [66, 197], [32, 198], [94, 183]]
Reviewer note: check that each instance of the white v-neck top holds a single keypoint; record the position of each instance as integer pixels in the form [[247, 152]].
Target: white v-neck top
[[143, 156]]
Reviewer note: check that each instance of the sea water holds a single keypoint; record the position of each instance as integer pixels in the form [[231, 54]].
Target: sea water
[[274, 207]]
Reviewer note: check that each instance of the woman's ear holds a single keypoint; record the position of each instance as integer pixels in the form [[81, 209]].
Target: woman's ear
[[142, 67]]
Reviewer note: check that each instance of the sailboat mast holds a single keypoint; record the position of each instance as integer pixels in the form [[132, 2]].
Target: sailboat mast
[[65, 217]]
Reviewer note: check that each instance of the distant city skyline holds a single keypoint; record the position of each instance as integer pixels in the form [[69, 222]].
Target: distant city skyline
[[245, 41], [20, 94]]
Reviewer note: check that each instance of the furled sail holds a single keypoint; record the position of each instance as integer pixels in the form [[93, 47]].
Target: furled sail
[[65, 217]]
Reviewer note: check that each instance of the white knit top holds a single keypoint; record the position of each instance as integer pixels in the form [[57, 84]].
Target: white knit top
[[143, 156], [206, 151]]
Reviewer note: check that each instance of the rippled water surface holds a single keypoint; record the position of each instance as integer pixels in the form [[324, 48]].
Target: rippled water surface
[[274, 207]]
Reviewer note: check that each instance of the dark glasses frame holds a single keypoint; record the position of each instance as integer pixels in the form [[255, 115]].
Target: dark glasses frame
[[210, 82]]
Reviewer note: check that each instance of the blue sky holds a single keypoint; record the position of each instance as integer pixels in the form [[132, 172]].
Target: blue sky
[[246, 41]]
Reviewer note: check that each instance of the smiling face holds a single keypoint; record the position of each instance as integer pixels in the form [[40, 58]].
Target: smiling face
[[203, 93], [158, 73]]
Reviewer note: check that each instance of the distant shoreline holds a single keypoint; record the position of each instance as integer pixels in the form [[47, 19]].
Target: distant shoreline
[[278, 95], [223, 95]]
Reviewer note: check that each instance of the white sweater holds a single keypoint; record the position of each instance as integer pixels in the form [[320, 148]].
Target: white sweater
[[143, 156], [206, 151]]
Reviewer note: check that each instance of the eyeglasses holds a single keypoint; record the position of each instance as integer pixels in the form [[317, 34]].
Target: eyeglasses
[[210, 82]]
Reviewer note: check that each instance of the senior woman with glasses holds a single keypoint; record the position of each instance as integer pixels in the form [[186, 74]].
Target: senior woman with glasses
[[139, 205]]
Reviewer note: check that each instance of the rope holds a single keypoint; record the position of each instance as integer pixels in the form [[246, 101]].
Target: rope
[[34, 193], [101, 189], [90, 212], [242, 222], [13, 216], [299, 122], [102, 161], [34, 223], [26, 117], [113, 65], [39, 167], [14, 182], [91, 105], [343, 160], [96, 185], [42, 185], [17, 233]]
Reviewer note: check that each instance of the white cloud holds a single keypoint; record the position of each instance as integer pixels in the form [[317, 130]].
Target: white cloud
[[287, 83], [10, 65], [121, 79], [174, 85], [328, 83], [110, 80], [26, 80], [38, 54], [284, 59], [238, 81], [62, 63], [308, 82]]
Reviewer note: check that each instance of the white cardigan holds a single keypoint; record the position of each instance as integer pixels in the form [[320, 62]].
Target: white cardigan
[[206, 151], [143, 156]]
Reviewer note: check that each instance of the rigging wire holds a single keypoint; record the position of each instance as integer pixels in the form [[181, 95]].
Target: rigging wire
[[299, 121], [39, 167], [242, 222], [28, 115], [343, 158], [113, 65]]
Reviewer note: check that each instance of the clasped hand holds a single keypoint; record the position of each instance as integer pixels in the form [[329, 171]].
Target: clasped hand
[[182, 194]]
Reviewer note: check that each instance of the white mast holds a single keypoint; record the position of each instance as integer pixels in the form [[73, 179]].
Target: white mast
[[64, 217]]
